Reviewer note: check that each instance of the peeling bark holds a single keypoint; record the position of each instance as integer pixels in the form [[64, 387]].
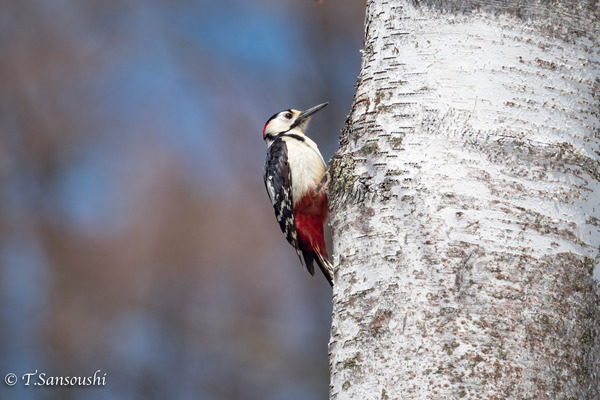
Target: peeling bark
[[465, 205]]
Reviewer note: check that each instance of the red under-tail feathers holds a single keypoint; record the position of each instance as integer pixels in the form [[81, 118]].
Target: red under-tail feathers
[[310, 214]]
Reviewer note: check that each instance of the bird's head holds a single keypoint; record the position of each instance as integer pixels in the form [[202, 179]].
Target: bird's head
[[288, 120]]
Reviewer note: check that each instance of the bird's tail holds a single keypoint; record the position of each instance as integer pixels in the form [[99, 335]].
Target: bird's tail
[[326, 267], [323, 263]]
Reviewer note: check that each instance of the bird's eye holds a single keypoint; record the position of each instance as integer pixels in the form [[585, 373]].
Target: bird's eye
[[288, 115]]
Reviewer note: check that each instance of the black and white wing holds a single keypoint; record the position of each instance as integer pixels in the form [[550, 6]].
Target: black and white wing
[[278, 181]]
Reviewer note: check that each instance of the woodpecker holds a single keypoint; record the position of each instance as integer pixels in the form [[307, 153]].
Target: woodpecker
[[294, 175]]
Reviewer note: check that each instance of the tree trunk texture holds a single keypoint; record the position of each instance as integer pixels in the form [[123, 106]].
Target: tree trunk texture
[[465, 205]]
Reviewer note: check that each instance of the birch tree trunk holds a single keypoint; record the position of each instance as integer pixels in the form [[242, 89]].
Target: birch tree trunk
[[465, 205]]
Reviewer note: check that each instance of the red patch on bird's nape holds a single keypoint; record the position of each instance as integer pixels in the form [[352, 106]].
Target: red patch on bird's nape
[[268, 122]]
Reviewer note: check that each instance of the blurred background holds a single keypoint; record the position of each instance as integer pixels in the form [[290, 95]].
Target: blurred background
[[136, 236]]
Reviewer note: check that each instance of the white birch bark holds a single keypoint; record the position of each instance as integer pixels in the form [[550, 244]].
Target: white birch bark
[[465, 205]]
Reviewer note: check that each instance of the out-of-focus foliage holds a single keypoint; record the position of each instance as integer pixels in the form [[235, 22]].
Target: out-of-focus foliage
[[135, 233]]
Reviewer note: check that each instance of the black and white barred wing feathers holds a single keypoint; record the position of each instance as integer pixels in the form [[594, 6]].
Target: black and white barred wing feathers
[[278, 181]]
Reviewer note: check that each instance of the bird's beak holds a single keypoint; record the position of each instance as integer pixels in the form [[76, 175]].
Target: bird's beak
[[308, 113], [305, 116]]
